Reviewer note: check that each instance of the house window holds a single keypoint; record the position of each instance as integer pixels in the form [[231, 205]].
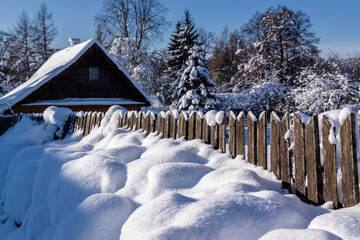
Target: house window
[[94, 73]]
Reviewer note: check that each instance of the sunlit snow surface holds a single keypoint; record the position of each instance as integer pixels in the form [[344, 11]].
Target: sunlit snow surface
[[122, 184]]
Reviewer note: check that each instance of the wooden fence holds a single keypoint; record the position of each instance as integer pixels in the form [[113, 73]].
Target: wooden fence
[[296, 157], [8, 121]]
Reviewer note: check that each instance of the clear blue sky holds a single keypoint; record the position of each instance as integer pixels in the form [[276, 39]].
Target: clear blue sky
[[336, 22]]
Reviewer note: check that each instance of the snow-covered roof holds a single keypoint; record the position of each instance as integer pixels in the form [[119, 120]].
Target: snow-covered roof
[[84, 102], [56, 64]]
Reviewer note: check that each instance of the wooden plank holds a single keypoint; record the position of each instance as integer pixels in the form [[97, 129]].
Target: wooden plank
[[299, 154], [167, 122], [87, 123], [173, 126], [348, 157], [275, 165], [285, 160], [329, 152], [251, 124], [143, 121], [313, 162], [183, 126], [232, 134], [135, 117], [262, 141], [191, 126], [199, 125], [222, 134], [147, 123], [152, 123], [240, 135], [214, 140], [139, 121], [125, 120], [92, 121]]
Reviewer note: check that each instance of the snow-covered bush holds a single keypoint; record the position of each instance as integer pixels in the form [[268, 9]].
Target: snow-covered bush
[[319, 92], [268, 95]]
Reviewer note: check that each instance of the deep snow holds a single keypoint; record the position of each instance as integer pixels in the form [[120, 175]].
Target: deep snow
[[121, 184]]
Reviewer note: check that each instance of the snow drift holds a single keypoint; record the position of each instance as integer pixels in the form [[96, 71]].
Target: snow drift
[[121, 184]]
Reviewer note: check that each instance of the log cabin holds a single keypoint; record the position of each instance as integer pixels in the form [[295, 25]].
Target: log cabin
[[82, 77]]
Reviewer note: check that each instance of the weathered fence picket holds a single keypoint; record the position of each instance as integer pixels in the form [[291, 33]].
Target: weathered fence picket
[[285, 159], [299, 155], [313, 162], [252, 124], [349, 169], [261, 142], [330, 174], [275, 144], [240, 135]]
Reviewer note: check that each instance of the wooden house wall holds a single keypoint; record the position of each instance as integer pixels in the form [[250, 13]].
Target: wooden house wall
[[74, 81]]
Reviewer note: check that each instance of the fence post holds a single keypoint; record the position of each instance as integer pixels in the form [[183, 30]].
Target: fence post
[[152, 122], [275, 165], [240, 135], [329, 151], [214, 140], [299, 154], [206, 131], [139, 120], [173, 124], [313, 163], [285, 160], [167, 121], [87, 123], [262, 141], [147, 123], [232, 134], [183, 125], [191, 125], [348, 157], [222, 134], [251, 122], [199, 125]]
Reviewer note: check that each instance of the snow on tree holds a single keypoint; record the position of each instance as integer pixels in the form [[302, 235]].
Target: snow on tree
[[44, 33], [194, 90], [279, 45], [325, 91]]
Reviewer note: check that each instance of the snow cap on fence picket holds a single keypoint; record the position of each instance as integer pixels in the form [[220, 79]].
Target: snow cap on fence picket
[[200, 114], [241, 115], [175, 113], [210, 118], [253, 117], [219, 117]]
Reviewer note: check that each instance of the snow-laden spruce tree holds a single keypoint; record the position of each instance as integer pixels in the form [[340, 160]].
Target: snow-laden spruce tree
[[182, 40], [194, 91], [324, 91]]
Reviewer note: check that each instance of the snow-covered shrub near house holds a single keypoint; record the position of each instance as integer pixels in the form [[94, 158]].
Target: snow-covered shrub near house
[[319, 92]]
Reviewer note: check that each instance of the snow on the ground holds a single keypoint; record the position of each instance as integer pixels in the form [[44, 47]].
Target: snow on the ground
[[121, 184]]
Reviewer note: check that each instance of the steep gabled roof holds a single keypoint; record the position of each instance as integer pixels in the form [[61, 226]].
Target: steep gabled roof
[[56, 64]]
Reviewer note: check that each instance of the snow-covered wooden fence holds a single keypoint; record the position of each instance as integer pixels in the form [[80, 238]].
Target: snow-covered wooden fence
[[310, 160], [8, 121]]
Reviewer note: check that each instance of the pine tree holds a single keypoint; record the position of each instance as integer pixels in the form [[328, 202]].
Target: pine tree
[[175, 53], [188, 36], [44, 33], [194, 90]]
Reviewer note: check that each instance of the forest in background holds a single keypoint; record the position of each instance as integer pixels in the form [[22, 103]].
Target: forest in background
[[272, 62]]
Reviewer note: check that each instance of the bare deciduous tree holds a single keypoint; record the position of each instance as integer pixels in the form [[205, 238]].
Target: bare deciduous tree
[[44, 32], [140, 21]]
